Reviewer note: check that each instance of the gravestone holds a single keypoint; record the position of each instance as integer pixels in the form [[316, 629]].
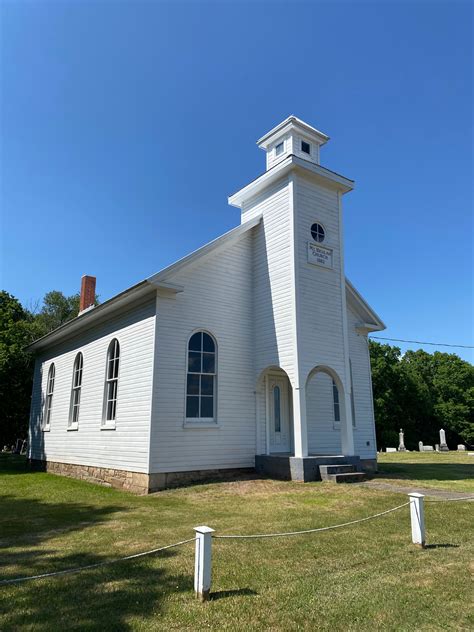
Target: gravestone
[[420, 446], [391, 449], [461, 447], [428, 448], [437, 447], [401, 439], [443, 446]]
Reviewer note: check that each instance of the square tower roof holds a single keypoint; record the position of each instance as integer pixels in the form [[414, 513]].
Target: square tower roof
[[292, 137]]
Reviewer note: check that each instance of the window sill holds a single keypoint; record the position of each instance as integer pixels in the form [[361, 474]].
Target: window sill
[[201, 424], [73, 427], [46, 429], [110, 425]]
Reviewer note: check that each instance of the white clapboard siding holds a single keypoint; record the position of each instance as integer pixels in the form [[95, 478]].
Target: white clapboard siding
[[363, 403], [273, 279], [126, 447], [319, 300], [218, 298], [324, 435]]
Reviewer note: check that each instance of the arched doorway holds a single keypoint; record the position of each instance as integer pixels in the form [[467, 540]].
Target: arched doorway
[[325, 411], [274, 408]]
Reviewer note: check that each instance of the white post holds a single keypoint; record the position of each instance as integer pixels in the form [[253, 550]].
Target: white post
[[202, 564], [299, 422], [417, 516]]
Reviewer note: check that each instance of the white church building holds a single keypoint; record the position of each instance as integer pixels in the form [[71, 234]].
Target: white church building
[[250, 352]]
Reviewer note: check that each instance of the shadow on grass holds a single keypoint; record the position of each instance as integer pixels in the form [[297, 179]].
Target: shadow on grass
[[426, 471], [239, 592], [13, 464], [26, 521], [112, 597], [441, 546]]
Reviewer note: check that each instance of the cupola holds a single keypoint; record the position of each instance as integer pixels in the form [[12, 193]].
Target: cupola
[[292, 137]]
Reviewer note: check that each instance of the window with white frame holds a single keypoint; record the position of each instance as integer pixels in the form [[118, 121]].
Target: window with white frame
[[336, 404], [201, 378], [76, 391], [111, 382], [280, 148], [305, 147], [48, 405]]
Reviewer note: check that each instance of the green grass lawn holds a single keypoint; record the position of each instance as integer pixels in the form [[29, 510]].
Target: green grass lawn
[[367, 576], [441, 470]]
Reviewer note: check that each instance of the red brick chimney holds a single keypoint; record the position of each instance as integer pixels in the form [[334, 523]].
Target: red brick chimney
[[87, 292]]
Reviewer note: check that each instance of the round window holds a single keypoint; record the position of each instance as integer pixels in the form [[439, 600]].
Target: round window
[[317, 232]]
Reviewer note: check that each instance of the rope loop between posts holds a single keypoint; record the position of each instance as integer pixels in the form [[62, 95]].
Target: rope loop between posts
[[448, 500], [336, 526], [67, 571]]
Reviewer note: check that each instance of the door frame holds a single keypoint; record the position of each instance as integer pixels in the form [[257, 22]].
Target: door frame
[[282, 376]]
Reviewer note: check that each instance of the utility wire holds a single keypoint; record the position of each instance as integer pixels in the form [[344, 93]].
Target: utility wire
[[419, 342]]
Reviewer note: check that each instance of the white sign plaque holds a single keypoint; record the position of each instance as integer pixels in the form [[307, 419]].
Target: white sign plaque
[[319, 255]]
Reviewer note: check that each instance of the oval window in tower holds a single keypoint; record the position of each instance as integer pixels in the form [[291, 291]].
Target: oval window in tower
[[317, 232]]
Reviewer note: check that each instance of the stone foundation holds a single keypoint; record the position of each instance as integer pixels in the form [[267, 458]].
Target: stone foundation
[[135, 482], [176, 479]]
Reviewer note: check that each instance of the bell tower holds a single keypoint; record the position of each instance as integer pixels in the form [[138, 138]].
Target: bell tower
[[299, 280], [292, 137]]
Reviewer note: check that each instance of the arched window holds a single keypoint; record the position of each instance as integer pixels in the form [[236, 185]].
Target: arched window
[[111, 381], [335, 397], [48, 405], [76, 391], [201, 378], [277, 408]]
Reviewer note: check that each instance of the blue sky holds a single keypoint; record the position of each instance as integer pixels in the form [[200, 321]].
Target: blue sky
[[125, 126]]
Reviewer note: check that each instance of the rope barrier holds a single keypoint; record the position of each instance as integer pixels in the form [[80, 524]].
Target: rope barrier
[[448, 500], [336, 526], [83, 568]]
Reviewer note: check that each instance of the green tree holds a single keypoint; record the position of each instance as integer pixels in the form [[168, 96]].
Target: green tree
[[18, 328], [390, 392], [450, 382], [56, 310], [421, 393], [16, 364]]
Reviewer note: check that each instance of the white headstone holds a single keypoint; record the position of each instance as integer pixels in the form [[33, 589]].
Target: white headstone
[[401, 441], [461, 447], [442, 441], [391, 449], [428, 448], [420, 446]]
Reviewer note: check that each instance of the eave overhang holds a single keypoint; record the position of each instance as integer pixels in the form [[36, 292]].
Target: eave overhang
[[283, 168], [289, 124], [370, 321]]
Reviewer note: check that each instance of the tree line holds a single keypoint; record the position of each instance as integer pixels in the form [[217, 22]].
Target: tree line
[[20, 326], [418, 391]]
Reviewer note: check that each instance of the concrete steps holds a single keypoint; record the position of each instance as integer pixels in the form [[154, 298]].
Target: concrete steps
[[339, 473], [350, 477]]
